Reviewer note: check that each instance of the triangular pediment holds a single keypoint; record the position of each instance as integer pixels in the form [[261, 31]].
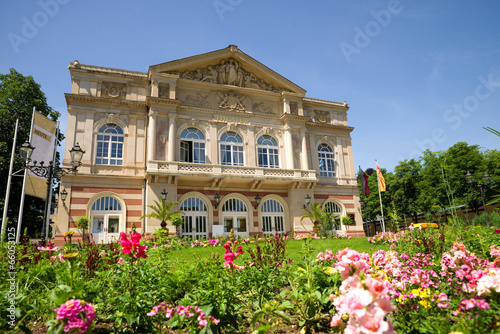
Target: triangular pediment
[[229, 66]]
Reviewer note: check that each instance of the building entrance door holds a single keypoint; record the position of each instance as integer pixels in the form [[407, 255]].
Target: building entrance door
[[237, 224], [105, 228]]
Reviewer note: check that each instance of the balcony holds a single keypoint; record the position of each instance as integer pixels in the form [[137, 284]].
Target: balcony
[[215, 175]]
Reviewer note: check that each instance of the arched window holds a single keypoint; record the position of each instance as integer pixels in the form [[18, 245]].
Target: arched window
[[195, 218], [106, 216], [267, 149], [235, 216], [109, 145], [325, 156], [231, 149], [332, 207], [192, 146], [273, 217]]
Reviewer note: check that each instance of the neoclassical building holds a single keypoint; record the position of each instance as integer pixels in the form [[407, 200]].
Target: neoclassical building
[[234, 143]]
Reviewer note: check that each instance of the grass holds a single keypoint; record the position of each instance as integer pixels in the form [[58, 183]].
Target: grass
[[294, 249]]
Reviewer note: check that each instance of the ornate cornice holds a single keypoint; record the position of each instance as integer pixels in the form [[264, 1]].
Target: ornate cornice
[[332, 103], [159, 100], [108, 70], [95, 99], [330, 126], [292, 117]]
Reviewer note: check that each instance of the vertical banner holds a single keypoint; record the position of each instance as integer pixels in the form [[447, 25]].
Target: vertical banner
[[43, 139], [381, 180]]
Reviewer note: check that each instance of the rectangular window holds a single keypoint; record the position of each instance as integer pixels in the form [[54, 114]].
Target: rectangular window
[[242, 225]]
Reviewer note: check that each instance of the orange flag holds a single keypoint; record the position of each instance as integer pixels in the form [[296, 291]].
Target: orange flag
[[381, 180]]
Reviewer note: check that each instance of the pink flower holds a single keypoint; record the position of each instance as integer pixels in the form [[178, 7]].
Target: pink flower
[[76, 314], [376, 287]]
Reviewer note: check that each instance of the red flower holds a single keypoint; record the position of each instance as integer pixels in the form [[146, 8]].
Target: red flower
[[132, 246], [497, 230], [126, 244]]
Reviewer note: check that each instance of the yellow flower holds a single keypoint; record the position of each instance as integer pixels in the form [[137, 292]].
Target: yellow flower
[[424, 303], [68, 233], [70, 255], [330, 271]]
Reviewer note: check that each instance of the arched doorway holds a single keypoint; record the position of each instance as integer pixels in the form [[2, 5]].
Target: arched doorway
[[195, 218], [106, 219], [272, 217]]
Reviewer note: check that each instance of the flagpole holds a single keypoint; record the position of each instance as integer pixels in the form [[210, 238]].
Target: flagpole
[[380, 198], [7, 192], [23, 192], [363, 191]]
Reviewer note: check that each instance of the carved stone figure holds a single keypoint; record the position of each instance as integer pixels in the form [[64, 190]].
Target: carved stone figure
[[228, 72], [210, 75]]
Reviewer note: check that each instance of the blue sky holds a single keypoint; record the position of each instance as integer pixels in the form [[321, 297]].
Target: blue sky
[[416, 74]]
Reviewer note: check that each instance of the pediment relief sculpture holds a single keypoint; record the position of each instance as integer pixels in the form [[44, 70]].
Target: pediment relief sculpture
[[228, 72], [113, 90]]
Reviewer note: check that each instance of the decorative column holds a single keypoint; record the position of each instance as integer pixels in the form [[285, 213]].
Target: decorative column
[[171, 138], [152, 135], [288, 146], [305, 158]]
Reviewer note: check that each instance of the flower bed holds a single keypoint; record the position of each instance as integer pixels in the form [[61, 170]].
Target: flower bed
[[252, 286]]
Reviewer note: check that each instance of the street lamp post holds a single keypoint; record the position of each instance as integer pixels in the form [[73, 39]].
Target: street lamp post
[[49, 172], [482, 187]]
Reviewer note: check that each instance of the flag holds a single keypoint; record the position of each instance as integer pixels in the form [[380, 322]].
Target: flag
[[381, 180], [364, 183], [43, 139]]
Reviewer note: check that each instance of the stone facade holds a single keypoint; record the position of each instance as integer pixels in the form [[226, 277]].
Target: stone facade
[[219, 124]]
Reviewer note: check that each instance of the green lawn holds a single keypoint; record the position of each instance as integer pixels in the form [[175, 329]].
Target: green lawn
[[294, 249]]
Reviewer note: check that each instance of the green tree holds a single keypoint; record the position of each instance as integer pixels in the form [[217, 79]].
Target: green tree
[[18, 95], [406, 188], [163, 212], [372, 202], [317, 214]]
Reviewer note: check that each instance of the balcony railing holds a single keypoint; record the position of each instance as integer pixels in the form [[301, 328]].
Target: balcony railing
[[206, 170]]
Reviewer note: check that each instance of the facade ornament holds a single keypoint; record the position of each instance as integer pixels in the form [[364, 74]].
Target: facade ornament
[[111, 117], [113, 90], [293, 108], [198, 99], [297, 151], [321, 116], [262, 108], [231, 100], [193, 121]]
